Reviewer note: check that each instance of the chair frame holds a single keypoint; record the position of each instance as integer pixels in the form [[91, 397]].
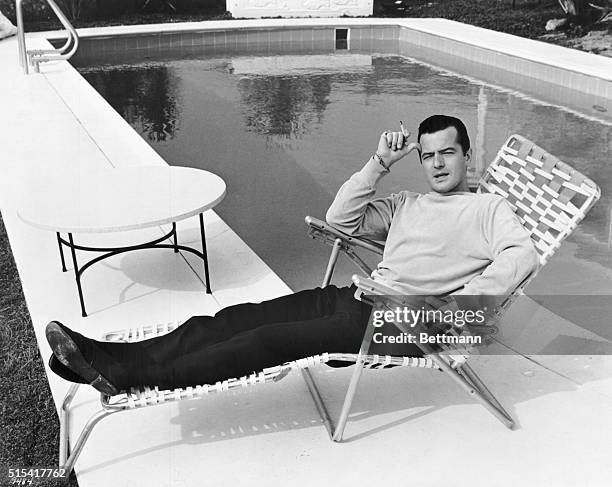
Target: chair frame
[[539, 177], [520, 170], [382, 297]]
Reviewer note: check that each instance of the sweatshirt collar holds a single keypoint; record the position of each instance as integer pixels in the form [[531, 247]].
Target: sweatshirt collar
[[451, 193]]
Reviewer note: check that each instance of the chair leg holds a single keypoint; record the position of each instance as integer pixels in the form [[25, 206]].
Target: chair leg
[[348, 400], [331, 264], [480, 385], [474, 391], [87, 429], [68, 458], [64, 423], [352, 388], [318, 400]]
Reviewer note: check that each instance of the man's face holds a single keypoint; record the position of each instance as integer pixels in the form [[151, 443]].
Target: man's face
[[444, 162]]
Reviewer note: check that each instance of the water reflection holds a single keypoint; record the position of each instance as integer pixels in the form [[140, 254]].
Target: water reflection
[[303, 130], [286, 106], [144, 96]]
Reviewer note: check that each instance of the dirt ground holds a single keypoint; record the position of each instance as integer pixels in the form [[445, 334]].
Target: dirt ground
[[596, 41]]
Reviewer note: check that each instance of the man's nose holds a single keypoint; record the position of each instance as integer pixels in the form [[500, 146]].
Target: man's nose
[[438, 160]]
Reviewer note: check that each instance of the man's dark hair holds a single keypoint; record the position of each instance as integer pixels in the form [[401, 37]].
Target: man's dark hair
[[435, 123]]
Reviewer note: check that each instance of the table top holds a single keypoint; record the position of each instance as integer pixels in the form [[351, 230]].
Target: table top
[[119, 199]]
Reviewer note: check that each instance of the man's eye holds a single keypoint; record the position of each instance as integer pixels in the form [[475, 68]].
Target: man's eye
[[426, 156]]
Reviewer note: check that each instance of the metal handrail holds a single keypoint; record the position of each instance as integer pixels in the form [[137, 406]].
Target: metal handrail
[[37, 56]]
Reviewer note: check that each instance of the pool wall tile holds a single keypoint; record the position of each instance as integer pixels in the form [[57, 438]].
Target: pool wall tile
[[574, 81], [242, 39], [229, 40], [208, 39], [395, 39], [197, 40], [130, 43], [275, 36], [598, 86], [262, 40], [524, 67]]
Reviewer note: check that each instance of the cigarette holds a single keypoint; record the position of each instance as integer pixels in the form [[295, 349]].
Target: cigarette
[[406, 134]]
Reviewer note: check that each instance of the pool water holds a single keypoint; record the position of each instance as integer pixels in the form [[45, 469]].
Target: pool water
[[285, 132]]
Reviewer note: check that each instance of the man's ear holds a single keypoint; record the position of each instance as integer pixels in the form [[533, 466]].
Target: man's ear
[[468, 156]]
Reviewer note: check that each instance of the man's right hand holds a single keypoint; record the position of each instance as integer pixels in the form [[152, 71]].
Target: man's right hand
[[392, 146]]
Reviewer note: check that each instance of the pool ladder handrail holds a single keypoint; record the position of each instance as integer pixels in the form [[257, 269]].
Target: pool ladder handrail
[[37, 56]]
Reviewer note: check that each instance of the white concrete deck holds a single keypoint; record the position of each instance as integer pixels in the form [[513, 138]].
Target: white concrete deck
[[424, 433]]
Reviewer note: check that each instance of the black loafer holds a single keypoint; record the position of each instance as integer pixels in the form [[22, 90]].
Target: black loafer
[[67, 351]]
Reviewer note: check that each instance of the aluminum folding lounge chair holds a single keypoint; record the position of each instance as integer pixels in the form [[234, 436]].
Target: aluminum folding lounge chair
[[550, 199]]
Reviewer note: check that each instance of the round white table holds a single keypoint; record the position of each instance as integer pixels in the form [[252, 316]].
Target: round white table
[[118, 200]]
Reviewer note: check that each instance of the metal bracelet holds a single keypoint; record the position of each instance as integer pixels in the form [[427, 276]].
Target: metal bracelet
[[377, 157]]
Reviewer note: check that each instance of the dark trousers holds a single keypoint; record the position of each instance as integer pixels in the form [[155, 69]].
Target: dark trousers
[[246, 338]]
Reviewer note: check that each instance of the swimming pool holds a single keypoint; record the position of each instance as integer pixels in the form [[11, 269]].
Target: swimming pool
[[285, 131]]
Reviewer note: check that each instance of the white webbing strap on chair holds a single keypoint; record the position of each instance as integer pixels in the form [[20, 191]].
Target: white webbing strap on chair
[[141, 397], [549, 197]]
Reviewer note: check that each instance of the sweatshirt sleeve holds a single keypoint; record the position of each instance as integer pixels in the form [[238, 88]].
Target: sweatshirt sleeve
[[513, 255], [355, 210]]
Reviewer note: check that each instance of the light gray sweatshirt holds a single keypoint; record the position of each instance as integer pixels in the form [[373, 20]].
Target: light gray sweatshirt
[[460, 243]]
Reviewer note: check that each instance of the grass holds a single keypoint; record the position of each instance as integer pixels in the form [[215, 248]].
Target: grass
[[29, 426]]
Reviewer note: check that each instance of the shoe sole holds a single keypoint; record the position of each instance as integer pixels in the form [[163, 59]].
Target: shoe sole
[[68, 353], [64, 372]]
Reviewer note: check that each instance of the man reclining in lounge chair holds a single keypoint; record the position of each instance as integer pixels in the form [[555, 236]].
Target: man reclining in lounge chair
[[447, 241]]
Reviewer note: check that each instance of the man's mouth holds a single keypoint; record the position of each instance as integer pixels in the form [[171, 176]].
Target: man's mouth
[[440, 176]]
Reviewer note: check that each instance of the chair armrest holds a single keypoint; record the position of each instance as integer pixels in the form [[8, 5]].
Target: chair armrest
[[320, 230], [368, 286], [380, 295], [371, 288]]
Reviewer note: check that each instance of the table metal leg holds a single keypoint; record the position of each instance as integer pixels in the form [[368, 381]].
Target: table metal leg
[[77, 274], [61, 250], [203, 235], [175, 238], [107, 252]]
